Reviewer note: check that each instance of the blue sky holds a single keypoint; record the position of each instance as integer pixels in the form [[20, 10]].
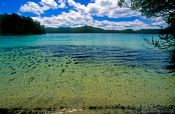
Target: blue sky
[[104, 14]]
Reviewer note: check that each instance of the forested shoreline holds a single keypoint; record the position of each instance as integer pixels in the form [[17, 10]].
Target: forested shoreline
[[90, 29], [14, 24]]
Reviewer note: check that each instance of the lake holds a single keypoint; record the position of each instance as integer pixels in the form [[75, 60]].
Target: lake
[[78, 71]]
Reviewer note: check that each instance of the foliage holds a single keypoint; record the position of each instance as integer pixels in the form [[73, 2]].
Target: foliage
[[158, 8], [90, 29], [84, 29], [16, 24]]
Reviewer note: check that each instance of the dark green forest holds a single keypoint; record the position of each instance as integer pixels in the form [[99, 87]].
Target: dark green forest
[[90, 29], [16, 24]]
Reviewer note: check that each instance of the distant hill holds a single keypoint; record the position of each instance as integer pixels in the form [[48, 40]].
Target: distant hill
[[90, 29], [11, 24], [83, 29]]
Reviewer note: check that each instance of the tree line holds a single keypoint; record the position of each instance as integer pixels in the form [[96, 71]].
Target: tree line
[[16, 24], [90, 29]]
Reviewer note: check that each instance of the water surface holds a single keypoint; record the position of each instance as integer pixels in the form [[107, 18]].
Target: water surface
[[81, 70]]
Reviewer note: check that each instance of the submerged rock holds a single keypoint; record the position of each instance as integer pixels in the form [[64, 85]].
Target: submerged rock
[[13, 73], [63, 70], [31, 79], [12, 78]]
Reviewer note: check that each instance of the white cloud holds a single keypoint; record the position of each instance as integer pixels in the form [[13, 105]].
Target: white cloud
[[121, 25], [102, 8], [159, 22], [61, 3], [49, 3], [74, 19], [70, 19], [42, 6], [83, 15], [32, 7]]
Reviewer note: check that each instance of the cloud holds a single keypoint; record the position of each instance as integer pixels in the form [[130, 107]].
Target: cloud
[[49, 3], [99, 8], [102, 8], [61, 3], [159, 22], [70, 19], [41, 7], [32, 7], [76, 19], [121, 25], [80, 15]]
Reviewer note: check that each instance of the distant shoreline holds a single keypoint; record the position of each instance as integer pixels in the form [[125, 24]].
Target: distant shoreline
[[1, 35], [90, 29]]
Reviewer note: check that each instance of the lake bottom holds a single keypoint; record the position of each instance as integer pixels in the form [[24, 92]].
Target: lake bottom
[[78, 80]]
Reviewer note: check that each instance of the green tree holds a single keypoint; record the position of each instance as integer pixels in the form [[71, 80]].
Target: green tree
[[157, 8], [16, 24]]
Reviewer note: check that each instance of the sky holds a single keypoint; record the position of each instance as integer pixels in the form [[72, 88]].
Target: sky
[[104, 14]]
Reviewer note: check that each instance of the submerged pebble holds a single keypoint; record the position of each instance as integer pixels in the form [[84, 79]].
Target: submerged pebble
[[53, 60], [49, 65], [29, 66], [63, 70], [75, 62], [13, 73], [34, 67], [38, 61], [31, 79], [46, 60], [12, 78], [68, 62]]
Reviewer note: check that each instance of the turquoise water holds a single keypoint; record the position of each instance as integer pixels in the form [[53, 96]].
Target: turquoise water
[[133, 41], [81, 70], [117, 48]]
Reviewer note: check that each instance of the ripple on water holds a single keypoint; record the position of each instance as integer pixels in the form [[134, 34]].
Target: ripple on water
[[83, 76]]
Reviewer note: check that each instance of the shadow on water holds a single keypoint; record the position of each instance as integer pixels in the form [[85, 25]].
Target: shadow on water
[[171, 67]]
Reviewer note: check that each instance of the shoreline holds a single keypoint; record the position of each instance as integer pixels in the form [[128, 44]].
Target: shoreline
[[93, 109]]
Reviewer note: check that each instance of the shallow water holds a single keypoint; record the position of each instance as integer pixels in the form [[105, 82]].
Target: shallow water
[[81, 70]]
